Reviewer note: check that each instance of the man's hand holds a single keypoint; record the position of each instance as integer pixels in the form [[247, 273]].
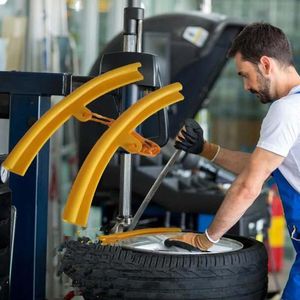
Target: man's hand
[[190, 241], [190, 139]]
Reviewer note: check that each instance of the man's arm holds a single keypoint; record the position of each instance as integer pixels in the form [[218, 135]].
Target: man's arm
[[244, 191], [190, 139], [239, 197], [253, 170], [234, 161]]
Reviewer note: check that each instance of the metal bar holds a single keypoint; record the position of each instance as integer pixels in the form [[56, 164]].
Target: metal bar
[[139, 35], [12, 240], [30, 196], [90, 42], [31, 83], [154, 188], [130, 96], [4, 106], [125, 186], [134, 3], [129, 43]]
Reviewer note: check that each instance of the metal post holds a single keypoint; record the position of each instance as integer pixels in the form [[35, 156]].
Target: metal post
[[132, 42], [90, 41], [134, 3], [29, 195]]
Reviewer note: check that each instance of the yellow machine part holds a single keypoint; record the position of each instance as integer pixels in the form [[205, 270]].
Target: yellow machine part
[[115, 237], [80, 198], [134, 143], [24, 152]]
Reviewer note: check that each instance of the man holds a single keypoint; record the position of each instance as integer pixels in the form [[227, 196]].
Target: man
[[263, 59]]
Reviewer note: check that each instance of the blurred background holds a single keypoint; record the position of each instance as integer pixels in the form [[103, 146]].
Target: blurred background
[[68, 35]]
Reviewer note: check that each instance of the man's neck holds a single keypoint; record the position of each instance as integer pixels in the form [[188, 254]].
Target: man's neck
[[287, 80]]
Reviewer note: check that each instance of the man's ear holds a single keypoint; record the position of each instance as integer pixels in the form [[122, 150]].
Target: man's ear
[[265, 65]]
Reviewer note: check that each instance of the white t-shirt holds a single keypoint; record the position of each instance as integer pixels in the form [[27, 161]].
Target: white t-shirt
[[280, 134]]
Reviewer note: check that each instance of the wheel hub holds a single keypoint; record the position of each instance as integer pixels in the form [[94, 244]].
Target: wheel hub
[[155, 243]]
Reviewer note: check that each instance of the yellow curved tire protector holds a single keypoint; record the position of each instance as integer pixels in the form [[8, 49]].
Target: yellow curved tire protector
[[26, 149], [80, 198], [115, 237]]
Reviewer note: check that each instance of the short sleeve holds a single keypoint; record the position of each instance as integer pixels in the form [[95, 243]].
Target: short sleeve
[[280, 129]]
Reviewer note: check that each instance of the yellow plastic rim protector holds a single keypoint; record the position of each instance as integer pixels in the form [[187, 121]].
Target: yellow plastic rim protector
[[80, 198], [26, 149], [115, 237]]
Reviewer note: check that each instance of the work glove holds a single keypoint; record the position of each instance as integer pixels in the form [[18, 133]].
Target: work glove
[[190, 139], [190, 241]]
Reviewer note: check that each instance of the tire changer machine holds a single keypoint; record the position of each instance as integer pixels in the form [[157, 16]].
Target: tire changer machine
[[194, 62]]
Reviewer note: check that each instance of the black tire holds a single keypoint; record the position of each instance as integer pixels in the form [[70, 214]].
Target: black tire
[[111, 272]]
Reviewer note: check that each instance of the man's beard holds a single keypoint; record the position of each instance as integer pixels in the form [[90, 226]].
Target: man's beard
[[263, 92]]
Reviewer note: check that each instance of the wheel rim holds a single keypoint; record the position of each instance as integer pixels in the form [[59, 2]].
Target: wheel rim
[[154, 243]]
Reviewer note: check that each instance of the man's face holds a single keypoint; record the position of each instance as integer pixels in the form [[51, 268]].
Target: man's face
[[254, 80]]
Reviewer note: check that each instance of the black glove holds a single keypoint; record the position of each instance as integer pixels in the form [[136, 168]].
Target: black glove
[[193, 140]]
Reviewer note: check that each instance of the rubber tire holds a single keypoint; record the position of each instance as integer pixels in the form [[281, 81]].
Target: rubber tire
[[111, 272]]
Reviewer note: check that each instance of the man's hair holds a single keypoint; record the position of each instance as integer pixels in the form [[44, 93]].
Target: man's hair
[[259, 39]]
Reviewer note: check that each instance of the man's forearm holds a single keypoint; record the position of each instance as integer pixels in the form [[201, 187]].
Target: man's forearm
[[233, 161], [244, 191], [238, 199]]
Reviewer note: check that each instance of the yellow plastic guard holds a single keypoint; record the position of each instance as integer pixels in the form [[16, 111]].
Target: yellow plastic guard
[[134, 143], [115, 237], [24, 152], [79, 202]]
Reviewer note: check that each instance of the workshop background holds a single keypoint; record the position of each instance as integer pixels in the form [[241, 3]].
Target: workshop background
[[67, 36]]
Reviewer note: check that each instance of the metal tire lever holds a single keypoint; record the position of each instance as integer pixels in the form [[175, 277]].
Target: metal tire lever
[[153, 189]]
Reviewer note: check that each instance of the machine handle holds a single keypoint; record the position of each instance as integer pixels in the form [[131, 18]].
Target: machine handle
[[154, 188]]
